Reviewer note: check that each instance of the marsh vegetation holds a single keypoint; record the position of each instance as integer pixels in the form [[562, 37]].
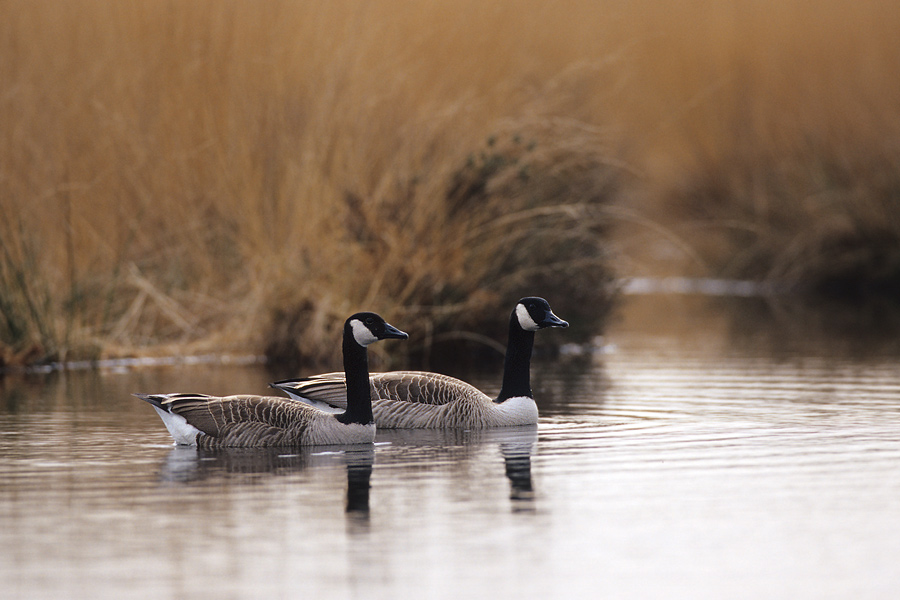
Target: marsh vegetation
[[230, 176]]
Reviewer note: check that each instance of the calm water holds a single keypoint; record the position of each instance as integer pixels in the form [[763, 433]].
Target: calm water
[[668, 464]]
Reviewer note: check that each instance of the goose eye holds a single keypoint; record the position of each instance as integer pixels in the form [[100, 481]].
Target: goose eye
[[369, 320]]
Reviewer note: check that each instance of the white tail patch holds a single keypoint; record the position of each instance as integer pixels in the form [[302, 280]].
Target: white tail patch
[[525, 320], [362, 334], [181, 430]]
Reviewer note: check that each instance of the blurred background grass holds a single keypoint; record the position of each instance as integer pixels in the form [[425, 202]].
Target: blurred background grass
[[229, 176]]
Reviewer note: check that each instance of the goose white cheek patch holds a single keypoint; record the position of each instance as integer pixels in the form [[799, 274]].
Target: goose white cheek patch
[[361, 333], [525, 320]]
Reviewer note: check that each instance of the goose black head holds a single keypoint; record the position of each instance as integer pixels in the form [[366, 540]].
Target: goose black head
[[534, 313], [368, 327]]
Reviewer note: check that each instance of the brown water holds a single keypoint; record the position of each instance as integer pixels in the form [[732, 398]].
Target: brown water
[[678, 460]]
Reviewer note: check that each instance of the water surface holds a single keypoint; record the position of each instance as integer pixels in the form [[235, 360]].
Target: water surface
[[673, 460]]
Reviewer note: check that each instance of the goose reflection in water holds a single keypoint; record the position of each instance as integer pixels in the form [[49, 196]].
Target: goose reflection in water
[[517, 456], [359, 476], [516, 445], [409, 448], [185, 464]]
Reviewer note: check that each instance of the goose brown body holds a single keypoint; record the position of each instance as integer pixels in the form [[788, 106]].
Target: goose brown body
[[416, 399], [257, 421], [262, 421], [421, 399]]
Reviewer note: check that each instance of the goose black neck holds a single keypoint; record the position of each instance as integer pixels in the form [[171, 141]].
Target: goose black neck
[[517, 365], [356, 372]]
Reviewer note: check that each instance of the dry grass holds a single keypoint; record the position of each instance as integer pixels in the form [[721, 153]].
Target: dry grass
[[785, 165], [194, 174], [232, 175]]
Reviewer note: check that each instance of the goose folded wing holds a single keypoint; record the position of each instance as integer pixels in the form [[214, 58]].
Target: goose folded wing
[[421, 387], [417, 387], [216, 416], [326, 391]]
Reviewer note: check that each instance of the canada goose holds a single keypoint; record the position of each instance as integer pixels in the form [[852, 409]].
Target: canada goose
[[256, 421], [418, 399]]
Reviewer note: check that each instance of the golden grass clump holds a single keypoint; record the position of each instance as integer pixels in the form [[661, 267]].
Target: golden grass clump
[[199, 176], [523, 214]]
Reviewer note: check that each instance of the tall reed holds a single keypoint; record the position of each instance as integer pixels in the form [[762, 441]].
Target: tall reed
[[225, 175]]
